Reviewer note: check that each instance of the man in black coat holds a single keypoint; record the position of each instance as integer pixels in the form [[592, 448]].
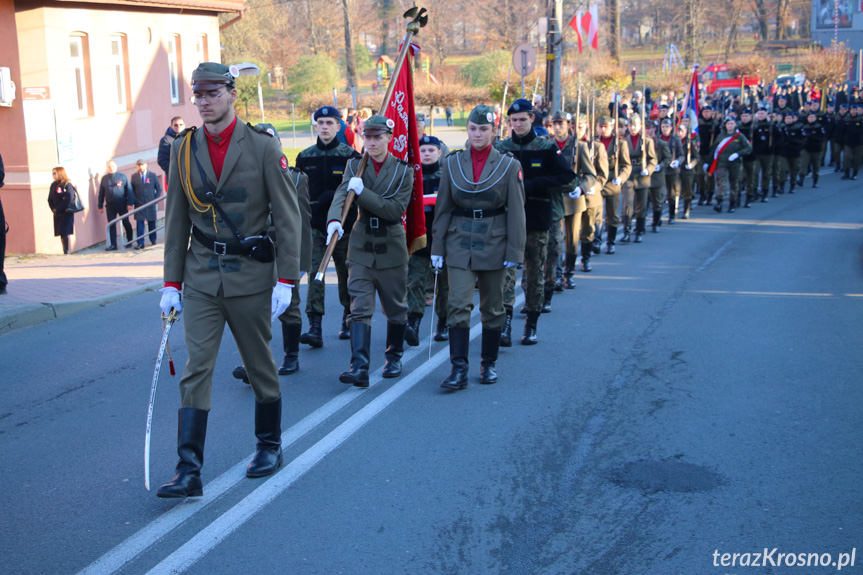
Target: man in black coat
[[146, 188], [115, 195], [164, 157]]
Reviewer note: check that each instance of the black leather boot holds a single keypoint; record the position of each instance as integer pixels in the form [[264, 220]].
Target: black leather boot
[[610, 238], [358, 374], [506, 332], [345, 331], [748, 201], [459, 342], [395, 349], [412, 331], [529, 337], [847, 175], [240, 373], [672, 210], [586, 252], [657, 221], [546, 299], [732, 203], [313, 337], [815, 180], [490, 348], [191, 433], [640, 223], [626, 223], [854, 175], [268, 430], [764, 194], [687, 204], [291, 343], [441, 331], [569, 271]]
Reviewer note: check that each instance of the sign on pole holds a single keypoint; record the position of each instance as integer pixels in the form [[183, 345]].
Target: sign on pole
[[523, 61]]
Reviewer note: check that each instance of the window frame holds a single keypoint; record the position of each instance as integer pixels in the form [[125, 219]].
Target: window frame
[[120, 69], [80, 66]]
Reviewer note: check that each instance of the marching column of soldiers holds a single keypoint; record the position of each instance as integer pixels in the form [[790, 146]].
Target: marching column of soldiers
[[243, 227]]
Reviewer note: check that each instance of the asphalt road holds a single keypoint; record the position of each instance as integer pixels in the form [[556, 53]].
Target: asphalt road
[[696, 394]]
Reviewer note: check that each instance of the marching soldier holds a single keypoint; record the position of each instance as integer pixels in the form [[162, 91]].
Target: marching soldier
[[642, 154], [617, 154], [816, 137], [672, 173], [706, 134], [546, 172], [419, 264], [776, 149], [750, 160], [479, 232], [324, 164], [688, 159], [792, 144], [564, 209], [657, 176], [727, 164], [596, 159], [762, 137], [836, 146], [225, 180], [377, 253], [852, 138]]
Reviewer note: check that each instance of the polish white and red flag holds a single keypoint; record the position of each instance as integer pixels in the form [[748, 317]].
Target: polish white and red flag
[[585, 25]]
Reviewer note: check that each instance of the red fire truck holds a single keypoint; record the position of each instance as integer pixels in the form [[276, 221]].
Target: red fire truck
[[717, 77]]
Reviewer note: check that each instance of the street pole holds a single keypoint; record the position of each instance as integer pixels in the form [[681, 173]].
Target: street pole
[[293, 124], [523, 68], [556, 97]]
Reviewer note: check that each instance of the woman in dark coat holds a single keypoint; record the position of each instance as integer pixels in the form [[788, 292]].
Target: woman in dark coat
[[59, 197]]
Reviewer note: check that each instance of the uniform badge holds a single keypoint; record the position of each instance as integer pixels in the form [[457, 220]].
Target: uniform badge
[[489, 117], [390, 124], [324, 112], [234, 71], [520, 175], [283, 163], [515, 107]]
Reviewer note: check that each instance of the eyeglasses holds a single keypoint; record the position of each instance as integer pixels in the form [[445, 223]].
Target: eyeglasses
[[206, 98]]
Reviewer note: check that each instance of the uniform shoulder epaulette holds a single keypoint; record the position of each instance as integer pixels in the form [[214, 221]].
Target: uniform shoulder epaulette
[[189, 130], [452, 153], [402, 162], [259, 130]]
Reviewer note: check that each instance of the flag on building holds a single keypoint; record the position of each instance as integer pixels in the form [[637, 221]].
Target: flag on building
[[405, 146], [586, 24]]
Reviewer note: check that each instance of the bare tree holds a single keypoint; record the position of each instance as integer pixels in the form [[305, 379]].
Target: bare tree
[[350, 57]]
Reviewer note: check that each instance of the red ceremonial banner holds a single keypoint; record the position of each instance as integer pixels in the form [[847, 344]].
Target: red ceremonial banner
[[405, 145]]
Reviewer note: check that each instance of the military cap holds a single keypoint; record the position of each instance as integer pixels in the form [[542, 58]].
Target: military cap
[[762, 108], [520, 105], [421, 117], [378, 125], [663, 106], [729, 118], [667, 121], [746, 111], [213, 75], [606, 121], [561, 116], [430, 141], [326, 112], [635, 119], [843, 105], [268, 128], [782, 97], [481, 114], [791, 113]]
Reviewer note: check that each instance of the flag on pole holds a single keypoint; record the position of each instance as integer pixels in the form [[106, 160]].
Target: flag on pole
[[405, 146], [590, 23], [574, 24], [690, 102]]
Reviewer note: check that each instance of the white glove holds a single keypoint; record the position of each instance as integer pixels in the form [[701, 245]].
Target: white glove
[[576, 193], [281, 299], [733, 157], [645, 173], [674, 164], [356, 184], [657, 168], [437, 262], [170, 299], [507, 264], [690, 166], [616, 181], [332, 228], [592, 190], [706, 167]]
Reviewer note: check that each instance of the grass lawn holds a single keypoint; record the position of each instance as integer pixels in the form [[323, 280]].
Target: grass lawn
[[291, 154]]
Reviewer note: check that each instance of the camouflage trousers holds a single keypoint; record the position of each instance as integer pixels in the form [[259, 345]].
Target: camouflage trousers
[[555, 245], [727, 184], [420, 273], [315, 297], [706, 182], [533, 278]]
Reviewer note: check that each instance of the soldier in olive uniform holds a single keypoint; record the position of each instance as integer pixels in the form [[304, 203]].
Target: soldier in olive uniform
[[419, 265], [727, 164], [378, 252], [324, 164], [750, 160], [792, 145], [479, 230], [617, 154], [776, 147], [816, 137], [227, 278], [642, 154], [852, 139], [591, 168], [564, 210], [546, 172], [688, 158], [836, 146], [763, 133], [672, 172], [707, 129]]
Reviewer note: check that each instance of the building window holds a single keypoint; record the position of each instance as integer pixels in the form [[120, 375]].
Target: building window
[[78, 57], [174, 63], [201, 48], [118, 72]]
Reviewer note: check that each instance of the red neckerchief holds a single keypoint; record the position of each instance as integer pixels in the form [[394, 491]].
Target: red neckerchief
[[634, 139], [720, 150], [377, 165], [218, 147], [477, 160], [666, 138], [560, 144], [606, 141]]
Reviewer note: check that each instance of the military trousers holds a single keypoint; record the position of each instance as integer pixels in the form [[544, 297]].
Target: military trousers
[[836, 152], [853, 157], [460, 304], [552, 253], [390, 284], [533, 278], [420, 273], [612, 210], [598, 215], [292, 315], [706, 182], [588, 231], [687, 181], [803, 163], [788, 167], [814, 164], [204, 319], [572, 231], [765, 166], [750, 177], [641, 197], [727, 183], [509, 287], [315, 295], [627, 199], [672, 185]]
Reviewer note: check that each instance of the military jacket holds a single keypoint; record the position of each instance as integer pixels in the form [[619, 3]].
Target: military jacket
[[477, 241], [431, 185], [301, 183], [253, 185], [748, 129], [378, 239], [852, 133], [546, 172], [585, 178], [689, 156], [739, 146], [707, 131], [324, 164], [676, 151], [616, 153], [762, 142], [815, 137], [839, 128], [561, 204], [793, 141], [643, 147], [600, 165]]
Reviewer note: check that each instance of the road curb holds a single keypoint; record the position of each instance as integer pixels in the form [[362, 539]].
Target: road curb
[[33, 314]]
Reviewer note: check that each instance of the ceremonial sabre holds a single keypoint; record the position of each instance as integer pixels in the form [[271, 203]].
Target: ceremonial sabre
[[418, 19], [434, 305], [172, 317]]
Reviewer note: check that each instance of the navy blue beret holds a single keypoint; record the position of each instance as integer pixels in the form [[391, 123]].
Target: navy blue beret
[[430, 141], [520, 105], [326, 112]]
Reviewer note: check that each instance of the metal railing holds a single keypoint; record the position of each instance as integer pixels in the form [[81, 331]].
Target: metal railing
[[122, 245]]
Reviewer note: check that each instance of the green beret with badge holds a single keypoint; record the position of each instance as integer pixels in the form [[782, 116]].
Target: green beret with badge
[[378, 125], [482, 114], [213, 75]]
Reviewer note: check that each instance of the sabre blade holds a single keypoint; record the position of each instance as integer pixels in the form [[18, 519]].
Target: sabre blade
[[156, 371]]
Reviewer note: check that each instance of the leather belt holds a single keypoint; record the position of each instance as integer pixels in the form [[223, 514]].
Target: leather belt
[[375, 222], [478, 214], [219, 248]]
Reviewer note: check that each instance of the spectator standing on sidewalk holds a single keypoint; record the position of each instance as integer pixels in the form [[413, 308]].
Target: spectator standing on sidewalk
[[3, 280], [59, 197], [164, 157], [115, 195], [146, 188]]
